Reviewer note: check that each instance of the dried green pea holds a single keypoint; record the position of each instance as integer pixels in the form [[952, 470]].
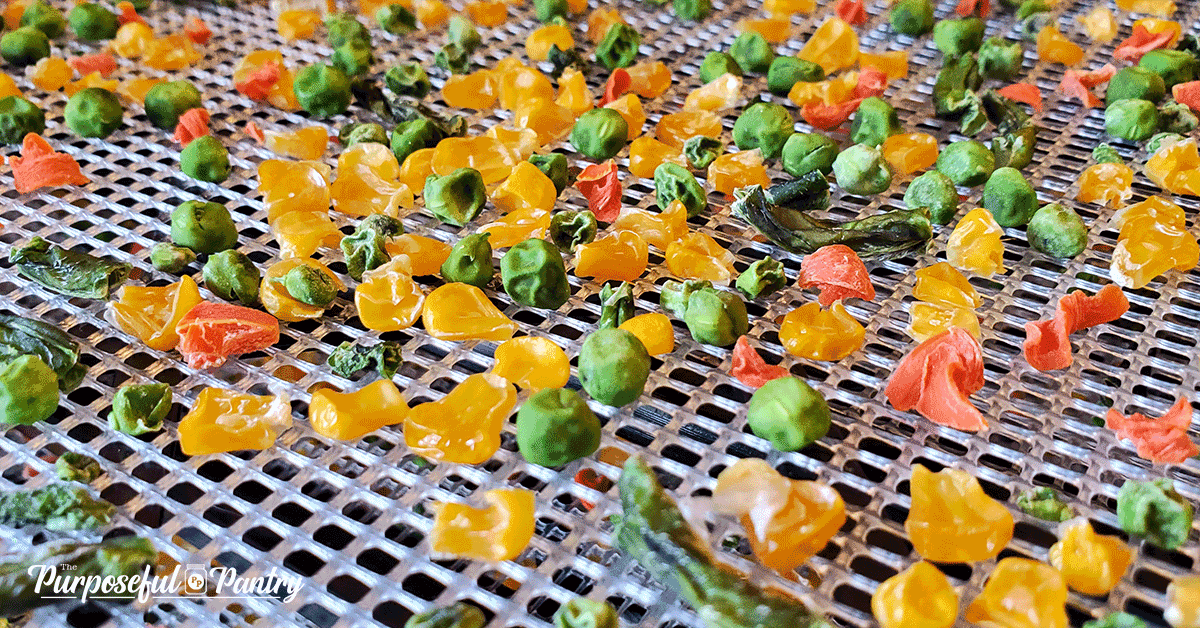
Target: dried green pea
[[569, 229], [1154, 510], [862, 170], [555, 426], [344, 27], [874, 122], [912, 17], [94, 112], [547, 10], [455, 198], [1135, 82], [354, 58], [461, 32], [366, 248], [786, 71], [789, 413], [308, 285], [619, 47], [1174, 66], [581, 612], [45, 18], [1000, 59], [534, 275], [1131, 119], [396, 19], [1015, 149], [74, 467], [24, 46], [165, 102], [203, 227], [408, 79], [205, 159], [716, 65], [933, 191], [411, 136], [1058, 231], [362, 133], [765, 126], [1174, 117], [140, 408], [322, 90], [958, 37], [613, 366], [673, 182], [170, 258], [231, 275], [807, 152], [752, 52], [599, 134], [457, 615], [700, 151], [18, 118], [968, 163], [692, 10], [470, 261], [1009, 197], [761, 278], [93, 22], [28, 390]]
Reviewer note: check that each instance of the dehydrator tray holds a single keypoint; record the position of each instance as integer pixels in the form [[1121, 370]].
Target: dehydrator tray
[[351, 518]]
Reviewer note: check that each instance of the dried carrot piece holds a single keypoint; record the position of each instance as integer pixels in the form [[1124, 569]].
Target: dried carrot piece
[[253, 131], [127, 14], [40, 167], [258, 85], [1187, 94], [197, 30], [1023, 93], [618, 83], [101, 62], [193, 123]]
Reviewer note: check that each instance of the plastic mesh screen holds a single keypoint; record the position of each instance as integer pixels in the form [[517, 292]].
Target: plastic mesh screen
[[350, 517]]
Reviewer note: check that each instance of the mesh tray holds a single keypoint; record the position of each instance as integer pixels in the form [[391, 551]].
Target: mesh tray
[[349, 518]]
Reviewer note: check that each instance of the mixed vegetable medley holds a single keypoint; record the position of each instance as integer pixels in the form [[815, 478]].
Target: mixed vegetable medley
[[824, 119]]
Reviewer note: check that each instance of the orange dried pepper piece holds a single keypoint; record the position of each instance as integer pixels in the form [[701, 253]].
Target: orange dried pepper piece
[[1187, 94], [617, 84], [193, 123], [1163, 440], [297, 24], [853, 12], [649, 79], [1023, 93], [1072, 85], [936, 378], [1141, 42], [486, 13], [838, 273], [51, 74], [476, 90], [749, 368], [211, 332], [197, 31], [40, 167], [257, 85], [598, 183], [620, 255], [1055, 47], [252, 129], [101, 62], [1047, 343], [127, 14], [967, 8]]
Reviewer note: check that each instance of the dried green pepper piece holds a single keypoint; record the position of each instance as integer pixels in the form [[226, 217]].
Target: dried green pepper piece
[[140, 408], [24, 336], [349, 358], [616, 305], [73, 467], [69, 272], [57, 507], [120, 556]]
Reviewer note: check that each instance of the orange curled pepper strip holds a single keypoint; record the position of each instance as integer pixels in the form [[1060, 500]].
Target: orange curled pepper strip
[[259, 83], [1097, 77], [1187, 94], [936, 378], [598, 183], [40, 167], [101, 62], [871, 82], [1164, 440], [255, 132], [192, 124], [829, 117], [197, 30], [1072, 85], [837, 272], [750, 369], [618, 84], [1047, 345], [1141, 42], [1023, 93]]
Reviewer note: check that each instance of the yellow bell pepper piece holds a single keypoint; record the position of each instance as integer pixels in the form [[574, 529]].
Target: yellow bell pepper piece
[[151, 313], [464, 426], [388, 299], [223, 420], [828, 335], [654, 330], [348, 416], [459, 311], [532, 363], [497, 532]]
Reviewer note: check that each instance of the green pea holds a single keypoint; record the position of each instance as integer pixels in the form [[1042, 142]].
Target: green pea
[[74, 467], [674, 295], [1154, 510], [1015, 149], [1131, 119], [344, 27], [674, 182], [45, 18], [761, 279], [1176, 118], [457, 615], [933, 191], [968, 163], [396, 19], [1044, 503], [18, 118], [716, 317], [140, 408], [366, 248], [453, 58], [581, 612], [1009, 197], [470, 261], [1116, 620], [912, 17], [354, 58], [752, 52], [408, 79], [692, 10], [308, 285], [765, 126], [1000, 59], [92, 22], [205, 159], [547, 10], [616, 305], [1105, 154], [554, 166], [534, 275], [203, 227], [862, 170], [716, 65], [1174, 66], [1158, 140], [362, 133], [94, 112], [569, 229], [789, 413], [456, 198], [619, 47], [874, 122], [24, 46], [231, 275], [786, 71], [322, 90], [599, 134], [958, 37], [461, 32], [413, 135], [165, 102], [700, 151], [169, 258], [807, 152], [613, 366], [555, 427], [1135, 82], [1057, 231], [28, 390]]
